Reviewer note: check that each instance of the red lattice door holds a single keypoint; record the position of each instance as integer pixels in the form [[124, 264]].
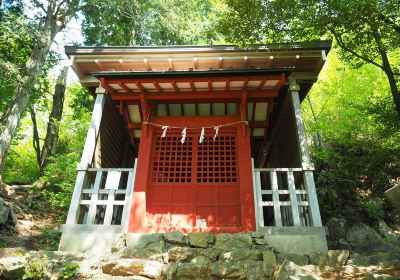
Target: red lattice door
[[194, 184]]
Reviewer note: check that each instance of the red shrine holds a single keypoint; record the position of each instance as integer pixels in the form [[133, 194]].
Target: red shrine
[[195, 138]]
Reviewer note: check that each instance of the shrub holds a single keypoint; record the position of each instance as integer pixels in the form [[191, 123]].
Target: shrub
[[49, 239], [70, 270]]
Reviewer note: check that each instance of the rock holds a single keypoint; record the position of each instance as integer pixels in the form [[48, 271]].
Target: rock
[[290, 271], [201, 260], [373, 276], [201, 239], [387, 232], [226, 242], [13, 267], [176, 237], [4, 212], [182, 254], [192, 271], [359, 260], [12, 252], [119, 243], [241, 254], [145, 240], [210, 253], [269, 258], [337, 228], [169, 271], [340, 244], [131, 267], [360, 233], [384, 258], [254, 270], [331, 258], [142, 253], [297, 259]]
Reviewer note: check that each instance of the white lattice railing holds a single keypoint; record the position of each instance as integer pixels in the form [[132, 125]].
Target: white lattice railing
[[102, 196], [285, 197]]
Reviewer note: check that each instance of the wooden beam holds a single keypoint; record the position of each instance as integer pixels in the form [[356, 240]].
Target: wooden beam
[[140, 86], [258, 124], [158, 86], [262, 83], [124, 87], [253, 95], [174, 86], [192, 85], [107, 87], [282, 80], [200, 79]]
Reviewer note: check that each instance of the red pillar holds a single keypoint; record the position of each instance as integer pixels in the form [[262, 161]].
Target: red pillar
[[246, 179], [138, 208]]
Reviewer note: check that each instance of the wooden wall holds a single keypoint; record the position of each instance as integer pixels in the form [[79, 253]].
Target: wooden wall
[[113, 149], [284, 148]]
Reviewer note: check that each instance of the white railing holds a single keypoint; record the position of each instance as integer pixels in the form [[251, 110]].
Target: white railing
[[285, 197], [102, 196]]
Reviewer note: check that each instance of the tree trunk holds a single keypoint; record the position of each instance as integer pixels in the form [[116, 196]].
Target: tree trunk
[[35, 134], [388, 70], [12, 116], [53, 125]]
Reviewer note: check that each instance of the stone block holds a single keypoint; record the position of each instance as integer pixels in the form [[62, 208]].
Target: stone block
[[269, 258], [226, 242], [241, 254], [176, 237], [142, 253], [144, 240], [298, 259], [360, 233], [359, 260], [182, 254], [12, 267], [331, 258], [132, 267], [192, 271], [253, 270], [119, 243], [289, 270], [201, 239]]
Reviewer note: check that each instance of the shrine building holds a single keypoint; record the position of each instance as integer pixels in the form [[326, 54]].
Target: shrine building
[[194, 139]]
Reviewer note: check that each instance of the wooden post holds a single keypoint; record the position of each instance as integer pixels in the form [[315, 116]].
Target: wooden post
[[94, 198], [275, 199], [293, 198], [128, 198], [304, 154], [258, 198], [87, 156], [94, 128]]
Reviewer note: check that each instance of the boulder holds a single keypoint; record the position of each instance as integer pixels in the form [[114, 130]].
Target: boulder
[[12, 252], [145, 240], [201, 239], [269, 258], [192, 271], [201, 260], [359, 260], [210, 253], [290, 271], [142, 253], [384, 258], [176, 237], [254, 270], [4, 212], [119, 243], [360, 233], [131, 267], [296, 258], [12, 267], [337, 228], [226, 242], [385, 231], [373, 276], [182, 254], [241, 254], [331, 258]]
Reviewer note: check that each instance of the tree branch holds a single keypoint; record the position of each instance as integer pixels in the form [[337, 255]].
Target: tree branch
[[389, 22], [344, 47], [40, 5]]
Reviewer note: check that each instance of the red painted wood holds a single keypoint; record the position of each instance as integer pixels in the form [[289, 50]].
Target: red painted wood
[[177, 183]]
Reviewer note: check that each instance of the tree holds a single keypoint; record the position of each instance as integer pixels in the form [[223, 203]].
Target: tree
[[365, 31], [149, 22], [53, 17]]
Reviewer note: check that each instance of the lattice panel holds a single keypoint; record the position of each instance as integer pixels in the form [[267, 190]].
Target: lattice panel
[[217, 160], [172, 160]]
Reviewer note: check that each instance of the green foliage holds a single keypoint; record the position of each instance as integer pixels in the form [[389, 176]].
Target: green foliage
[[21, 166], [155, 22], [360, 155], [3, 244], [70, 270], [49, 239], [36, 269]]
